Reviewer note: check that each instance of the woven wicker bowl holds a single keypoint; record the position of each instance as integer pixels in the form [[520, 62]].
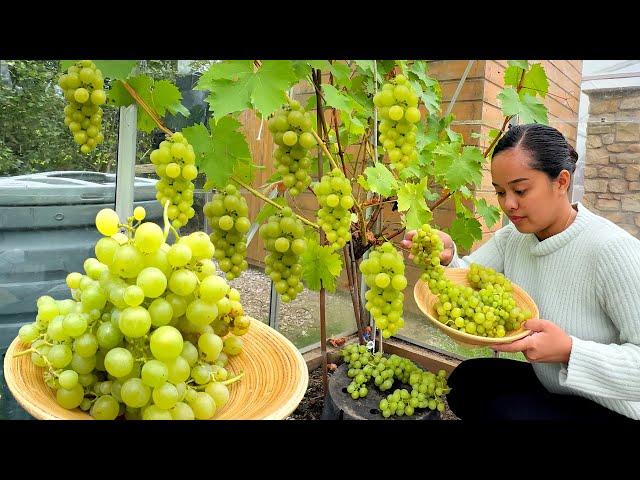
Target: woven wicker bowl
[[426, 300], [275, 380]]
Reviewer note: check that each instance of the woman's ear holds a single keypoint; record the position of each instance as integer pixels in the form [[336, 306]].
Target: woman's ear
[[564, 180]]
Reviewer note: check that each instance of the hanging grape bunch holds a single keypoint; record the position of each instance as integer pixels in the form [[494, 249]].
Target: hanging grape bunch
[[227, 214], [384, 275], [427, 389], [397, 105], [291, 129], [175, 165], [83, 88], [334, 195], [137, 337], [283, 236], [486, 309]]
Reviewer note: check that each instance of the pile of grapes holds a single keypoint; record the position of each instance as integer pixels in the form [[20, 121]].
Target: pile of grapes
[[83, 88], [334, 217], [397, 105], [291, 128], [175, 165], [427, 388], [227, 214], [486, 309], [384, 275], [145, 332], [283, 236]]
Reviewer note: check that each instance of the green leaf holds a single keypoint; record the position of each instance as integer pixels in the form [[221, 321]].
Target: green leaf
[[464, 231], [230, 97], [419, 69], [453, 136], [533, 110], [320, 266], [166, 97], [409, 172], [118, 96], [200, 139], [411, 200], [231, 70], [341, 74], [490, 213], [457, 169], [143, 85], [65, 64], [269, 85], [535, 81], [336, 99], [380, 180], [523, 64], [116, 69], [319, 64], [353, 125], [512, 76], [267, 209], [229, 147], [365, 65]]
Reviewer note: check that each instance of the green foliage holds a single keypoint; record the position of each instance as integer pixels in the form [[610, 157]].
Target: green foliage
[[379, 179], [321, 266]]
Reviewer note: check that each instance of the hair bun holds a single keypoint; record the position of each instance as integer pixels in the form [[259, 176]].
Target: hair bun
[[573, 155]]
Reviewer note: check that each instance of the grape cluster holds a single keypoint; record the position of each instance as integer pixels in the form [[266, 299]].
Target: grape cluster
[[291, 129], [427, 389], [334, 195], [384, 275], [175, 165], [83, 88], [227, 214], [397, 105], [283, 236], [486, 309], [139, 337]]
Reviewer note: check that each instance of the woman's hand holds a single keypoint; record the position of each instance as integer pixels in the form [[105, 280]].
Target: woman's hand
[[445, 256], [546, 343]]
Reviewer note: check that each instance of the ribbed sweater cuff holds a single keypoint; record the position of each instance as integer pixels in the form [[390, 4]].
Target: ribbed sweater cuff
[[591, 370]]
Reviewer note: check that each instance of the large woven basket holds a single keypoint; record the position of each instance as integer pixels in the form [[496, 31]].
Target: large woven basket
[[274, 382], [426, 300]]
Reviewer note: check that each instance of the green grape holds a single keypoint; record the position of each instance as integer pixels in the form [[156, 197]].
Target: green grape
[[105, 408], [203, 406], [166, 343], [154, 373], [174, 162], [334, 195], [118, 362], [83, 88], [227, 214], [71, 398], [134, 393], [182, 411]]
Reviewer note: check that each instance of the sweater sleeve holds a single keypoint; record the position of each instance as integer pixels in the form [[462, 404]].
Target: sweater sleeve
[[491, 254], [612, 371]]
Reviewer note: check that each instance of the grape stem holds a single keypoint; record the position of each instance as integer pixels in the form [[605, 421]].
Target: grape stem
[[146, 108], [165, 217], [271, 202], [233, 379], [24, 352]]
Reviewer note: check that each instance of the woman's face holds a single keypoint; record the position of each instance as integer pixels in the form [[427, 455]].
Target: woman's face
[[530, 199]]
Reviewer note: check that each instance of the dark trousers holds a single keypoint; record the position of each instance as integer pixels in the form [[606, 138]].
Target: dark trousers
[[502, 389]]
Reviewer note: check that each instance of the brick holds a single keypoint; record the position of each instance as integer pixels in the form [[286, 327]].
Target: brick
[[604, 106], [599, 129], [596, 185], [626, 158], [618, 217], [627, 132], [635, 147], [590, 172], [610, 172], [597, 157], [631, 203], [594, 141], [608, 138], [608, 205], [630, 103], [618, 186], [634, 186], [637, 220], [632, 173], [616, 147]]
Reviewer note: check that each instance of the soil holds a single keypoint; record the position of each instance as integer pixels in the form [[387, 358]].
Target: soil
[[310, 408]]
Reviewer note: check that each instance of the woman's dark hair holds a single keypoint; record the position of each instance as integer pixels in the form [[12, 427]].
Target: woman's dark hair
[[549, 149]]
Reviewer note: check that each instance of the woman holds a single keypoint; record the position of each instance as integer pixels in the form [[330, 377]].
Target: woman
[[583, 272]]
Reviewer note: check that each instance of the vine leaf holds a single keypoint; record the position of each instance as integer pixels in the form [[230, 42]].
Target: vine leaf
[[464, 231], [224, 153], [337, 99], [321, 266], [529, 109], [458, 168], [490, 213], [522, 64], [234, 86], [535, 81], [380, 180]]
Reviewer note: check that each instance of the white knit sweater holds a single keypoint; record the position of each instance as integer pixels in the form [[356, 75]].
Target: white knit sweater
[[586, 280]]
